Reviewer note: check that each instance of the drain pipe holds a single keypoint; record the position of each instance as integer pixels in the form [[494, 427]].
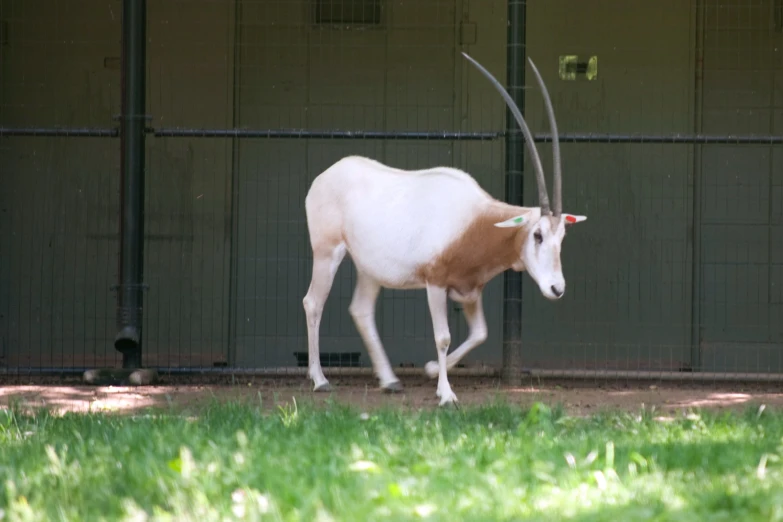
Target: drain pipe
[[131, 269]]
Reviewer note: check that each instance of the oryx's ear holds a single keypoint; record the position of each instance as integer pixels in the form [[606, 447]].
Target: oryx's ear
[[517, 221], [571, 219]]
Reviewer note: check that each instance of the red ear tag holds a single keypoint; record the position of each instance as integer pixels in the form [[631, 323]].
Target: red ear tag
[[571, 219]]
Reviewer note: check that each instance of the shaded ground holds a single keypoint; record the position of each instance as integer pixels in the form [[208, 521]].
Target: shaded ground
[[190, 394]]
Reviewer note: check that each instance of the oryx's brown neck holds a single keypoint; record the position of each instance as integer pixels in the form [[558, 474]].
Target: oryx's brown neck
[[480, 253]]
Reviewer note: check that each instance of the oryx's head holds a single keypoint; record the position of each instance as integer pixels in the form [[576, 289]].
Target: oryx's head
[[543, 231]]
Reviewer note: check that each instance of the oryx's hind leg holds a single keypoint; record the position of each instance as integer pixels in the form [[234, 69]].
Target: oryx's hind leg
[[362, 310], [326, 261]]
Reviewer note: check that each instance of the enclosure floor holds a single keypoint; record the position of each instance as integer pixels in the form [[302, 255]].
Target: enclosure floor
[[190, 394]]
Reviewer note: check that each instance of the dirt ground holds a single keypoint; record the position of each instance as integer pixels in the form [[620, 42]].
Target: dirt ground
[[193, 393]]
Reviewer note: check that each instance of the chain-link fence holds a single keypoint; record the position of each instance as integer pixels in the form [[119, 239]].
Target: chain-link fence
[[671, 116]]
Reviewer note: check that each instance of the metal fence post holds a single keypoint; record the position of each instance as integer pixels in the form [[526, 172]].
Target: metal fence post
[[132, 133], [512, 288], [698, 124]]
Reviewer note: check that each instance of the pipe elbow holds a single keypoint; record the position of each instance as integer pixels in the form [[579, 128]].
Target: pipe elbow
[[127, 340]]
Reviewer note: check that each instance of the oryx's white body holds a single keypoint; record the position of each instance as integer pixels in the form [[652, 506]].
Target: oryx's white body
[[393, 222], [435, 229]]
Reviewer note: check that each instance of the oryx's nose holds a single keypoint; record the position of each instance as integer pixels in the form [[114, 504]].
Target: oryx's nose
[[557, 291]]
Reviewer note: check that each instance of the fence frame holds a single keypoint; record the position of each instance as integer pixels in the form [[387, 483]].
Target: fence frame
[[516, 54], [133, 130], [248, 133]]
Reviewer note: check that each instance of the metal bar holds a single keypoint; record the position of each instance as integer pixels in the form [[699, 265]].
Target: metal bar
[[324, 134], [684, 139], [696, 268], [60, 132], [515, 164], [131, 269], [297, 371], [234, 183], [45, 370], [489, 371], [659, 376], [605, 375]]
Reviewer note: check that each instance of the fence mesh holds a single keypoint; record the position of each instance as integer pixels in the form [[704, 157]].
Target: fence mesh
[[57, 195], [678, 267]]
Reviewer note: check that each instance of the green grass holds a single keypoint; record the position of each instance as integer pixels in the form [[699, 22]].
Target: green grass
[[496, 462]]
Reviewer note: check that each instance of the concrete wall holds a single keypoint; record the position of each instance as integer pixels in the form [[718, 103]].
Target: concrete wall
[[227, 253]]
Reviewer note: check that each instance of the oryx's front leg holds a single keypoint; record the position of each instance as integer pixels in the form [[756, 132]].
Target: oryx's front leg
[[477, 325], [438, 302]]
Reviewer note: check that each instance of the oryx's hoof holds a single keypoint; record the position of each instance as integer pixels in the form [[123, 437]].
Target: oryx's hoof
[[323, 388], [447, 397], [392, 387]]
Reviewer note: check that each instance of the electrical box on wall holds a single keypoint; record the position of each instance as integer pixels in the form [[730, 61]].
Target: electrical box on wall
[[571, 68]]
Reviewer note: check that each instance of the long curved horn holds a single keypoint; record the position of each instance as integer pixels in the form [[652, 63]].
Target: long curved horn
[[543, 197], [557, 184]]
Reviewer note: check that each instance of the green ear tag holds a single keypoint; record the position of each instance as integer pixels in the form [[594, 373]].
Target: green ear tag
[[518, 220]]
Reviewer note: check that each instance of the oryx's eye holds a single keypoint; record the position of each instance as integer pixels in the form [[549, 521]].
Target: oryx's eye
[[539, 239]]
